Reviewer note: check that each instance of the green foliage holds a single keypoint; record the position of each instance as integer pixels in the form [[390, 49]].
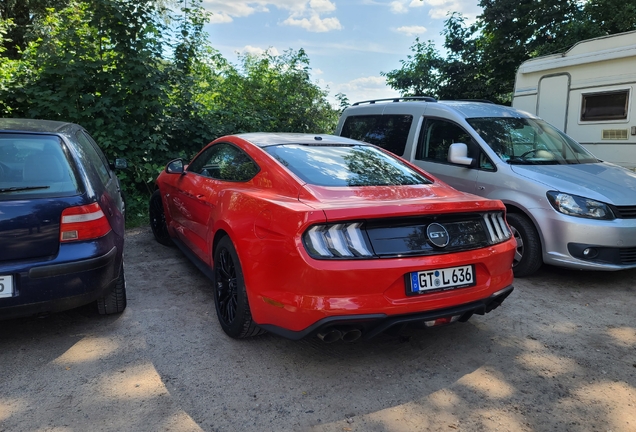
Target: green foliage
[[409, 80], [271, 93], [145, 82], [482, 58]]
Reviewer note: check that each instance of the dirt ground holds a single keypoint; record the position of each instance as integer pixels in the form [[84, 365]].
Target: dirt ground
[[558, 355]]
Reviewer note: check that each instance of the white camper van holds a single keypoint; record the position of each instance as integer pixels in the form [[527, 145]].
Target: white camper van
[[588, 93]]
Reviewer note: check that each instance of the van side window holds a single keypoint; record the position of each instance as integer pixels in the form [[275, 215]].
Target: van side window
[[436, 138], [605, 106], [387, 131]]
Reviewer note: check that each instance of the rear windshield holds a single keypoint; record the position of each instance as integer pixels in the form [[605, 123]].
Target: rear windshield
[[34, 165], [351, 165], [527, 141]]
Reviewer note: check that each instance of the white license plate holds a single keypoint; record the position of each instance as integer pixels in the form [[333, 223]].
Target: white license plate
[[442, 279], [6, 286]]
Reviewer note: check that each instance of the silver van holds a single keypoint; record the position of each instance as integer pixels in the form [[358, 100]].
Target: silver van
[[565, 206]]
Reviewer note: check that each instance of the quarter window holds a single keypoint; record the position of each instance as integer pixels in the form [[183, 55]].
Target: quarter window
[[387, 131], [226, 162], [95, 156], [605, 106]]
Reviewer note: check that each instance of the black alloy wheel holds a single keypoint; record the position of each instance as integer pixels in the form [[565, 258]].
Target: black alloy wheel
[[226, 287], [230, 295], [157, 219]]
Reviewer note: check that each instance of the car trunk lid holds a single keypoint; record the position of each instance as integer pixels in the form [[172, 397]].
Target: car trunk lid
[[347, 203], [30, 228]]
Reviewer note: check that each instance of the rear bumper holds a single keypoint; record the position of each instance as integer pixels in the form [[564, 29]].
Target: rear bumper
[[80, 274], [315, 291], [373, 324]]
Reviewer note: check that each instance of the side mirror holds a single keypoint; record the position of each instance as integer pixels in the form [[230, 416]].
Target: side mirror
[[120, 163], [458, 154], [175, 166]]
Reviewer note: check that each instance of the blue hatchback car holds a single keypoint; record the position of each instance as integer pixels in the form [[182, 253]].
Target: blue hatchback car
[[61, 221]]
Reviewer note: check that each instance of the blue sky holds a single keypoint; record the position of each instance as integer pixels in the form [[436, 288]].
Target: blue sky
[[348, 42]]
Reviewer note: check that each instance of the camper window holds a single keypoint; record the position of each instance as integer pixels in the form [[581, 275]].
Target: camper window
[[605, 106]]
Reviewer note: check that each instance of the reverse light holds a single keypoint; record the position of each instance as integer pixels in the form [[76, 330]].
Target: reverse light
[[343, 240], [83, 223], [573, 205], [441, 321]]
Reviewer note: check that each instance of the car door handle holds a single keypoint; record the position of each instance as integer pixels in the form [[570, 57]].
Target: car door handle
[[200, 197]]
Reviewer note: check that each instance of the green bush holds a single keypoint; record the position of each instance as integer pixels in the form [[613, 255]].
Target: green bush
[[148, 86]]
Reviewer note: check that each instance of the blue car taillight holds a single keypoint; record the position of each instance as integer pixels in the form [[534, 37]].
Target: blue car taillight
[[342, 240], [85, 222]]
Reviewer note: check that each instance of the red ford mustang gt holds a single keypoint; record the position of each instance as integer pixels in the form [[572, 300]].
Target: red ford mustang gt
[[321, 235]]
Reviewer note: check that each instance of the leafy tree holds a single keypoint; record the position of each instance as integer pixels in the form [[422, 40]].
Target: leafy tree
[[146, 83], [23, 13], [410, 79], [483, 57], [274, 93]]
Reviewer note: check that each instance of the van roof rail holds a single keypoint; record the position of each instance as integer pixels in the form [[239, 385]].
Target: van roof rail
[[399, 99], [475, 100]]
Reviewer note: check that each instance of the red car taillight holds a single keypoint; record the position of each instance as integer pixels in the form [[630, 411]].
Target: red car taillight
[[83, 223]]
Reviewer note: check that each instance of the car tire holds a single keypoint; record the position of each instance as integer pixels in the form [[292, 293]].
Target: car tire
[[157, 219], [115, 300], [528, 252], [230, 295]]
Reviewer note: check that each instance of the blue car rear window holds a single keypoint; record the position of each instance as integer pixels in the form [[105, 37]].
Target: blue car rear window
[[34, 165], [345, 165]]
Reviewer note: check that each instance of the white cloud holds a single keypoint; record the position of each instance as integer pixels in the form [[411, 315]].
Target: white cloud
[[402, 6], [440, 9], [249, 49], [220, 18], [322, 6], [361, 89], [411, 30], [315, 23], [399, 7], [306, 14]]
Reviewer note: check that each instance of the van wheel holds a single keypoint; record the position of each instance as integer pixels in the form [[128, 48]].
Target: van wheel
[[230, 295], [158, 220], [114, 301], [528, 252]]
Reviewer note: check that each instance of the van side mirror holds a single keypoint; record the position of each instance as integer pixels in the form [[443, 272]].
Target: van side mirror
[[458, 154], [175, 166]]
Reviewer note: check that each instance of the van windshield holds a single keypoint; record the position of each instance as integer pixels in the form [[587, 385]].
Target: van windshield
[[529, 141]]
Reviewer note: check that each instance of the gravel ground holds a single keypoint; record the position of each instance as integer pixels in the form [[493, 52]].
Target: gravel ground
[[558, 355]]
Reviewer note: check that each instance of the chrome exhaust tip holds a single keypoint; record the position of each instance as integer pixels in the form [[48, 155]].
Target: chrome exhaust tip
[[351, 334], [330, 335]]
